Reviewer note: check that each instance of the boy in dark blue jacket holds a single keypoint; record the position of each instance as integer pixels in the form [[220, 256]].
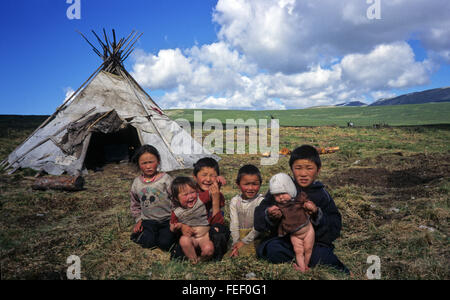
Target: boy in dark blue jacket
[[305, 165]]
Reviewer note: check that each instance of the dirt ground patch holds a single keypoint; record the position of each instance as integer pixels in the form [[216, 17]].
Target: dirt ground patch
[[415, 170]]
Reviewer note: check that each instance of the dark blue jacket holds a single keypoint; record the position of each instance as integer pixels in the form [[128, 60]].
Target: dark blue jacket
[[327, 222]]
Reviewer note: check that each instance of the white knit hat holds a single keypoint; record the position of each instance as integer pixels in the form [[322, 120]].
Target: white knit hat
[[282, 183]]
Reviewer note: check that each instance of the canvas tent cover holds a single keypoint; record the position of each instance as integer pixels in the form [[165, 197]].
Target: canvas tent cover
[[108, 103]]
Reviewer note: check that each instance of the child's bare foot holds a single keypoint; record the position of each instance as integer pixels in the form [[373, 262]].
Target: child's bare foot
[[298, 268], [194, 261]]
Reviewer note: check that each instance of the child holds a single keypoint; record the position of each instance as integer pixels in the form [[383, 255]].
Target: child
[[305, 165], [294, 221], [242, 208], [150, 202], [207, 177], [189, 215]]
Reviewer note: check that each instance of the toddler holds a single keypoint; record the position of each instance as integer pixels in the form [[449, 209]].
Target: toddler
[[190, 217], [294, 221]]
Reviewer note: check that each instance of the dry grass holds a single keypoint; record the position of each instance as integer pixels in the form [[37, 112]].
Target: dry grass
[[386, 182]]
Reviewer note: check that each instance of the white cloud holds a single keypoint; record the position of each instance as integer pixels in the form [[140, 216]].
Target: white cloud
[[277, 54], [289, 38], [387, 66], [68, 91], [163, 71]]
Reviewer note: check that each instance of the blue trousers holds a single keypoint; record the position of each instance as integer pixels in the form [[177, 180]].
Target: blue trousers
[[279, 250], [155, 234]]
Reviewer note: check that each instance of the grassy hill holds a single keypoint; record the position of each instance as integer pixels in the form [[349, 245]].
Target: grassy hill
[[397, 115]]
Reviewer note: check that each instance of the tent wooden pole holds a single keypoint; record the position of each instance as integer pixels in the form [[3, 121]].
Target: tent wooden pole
[[106, 39], [124, 47], [123, 41], [3, 163], [131, 46], [126, 56], [114, 38], [98, 120], [105, 48], [93, 47]]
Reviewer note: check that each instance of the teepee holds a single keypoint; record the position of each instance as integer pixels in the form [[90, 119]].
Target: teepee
[[107, 118]]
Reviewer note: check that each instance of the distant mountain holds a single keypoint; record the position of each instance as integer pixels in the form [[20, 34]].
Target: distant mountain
[[433, 95], [352, 103]]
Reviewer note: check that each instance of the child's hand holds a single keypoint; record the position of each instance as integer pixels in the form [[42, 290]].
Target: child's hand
[[221, 181], [214, 191], [186, 230], [274, 212], [175, 226], [235, 249], [138, 227], [310, 207]]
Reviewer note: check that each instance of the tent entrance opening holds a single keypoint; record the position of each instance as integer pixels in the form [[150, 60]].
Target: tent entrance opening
[[113, 147]]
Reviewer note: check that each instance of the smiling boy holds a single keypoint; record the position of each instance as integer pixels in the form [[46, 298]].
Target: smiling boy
[[206, 173], [207, 177], [305, 165]]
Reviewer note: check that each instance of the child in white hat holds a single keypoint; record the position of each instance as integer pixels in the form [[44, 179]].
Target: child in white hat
[[294, 221]]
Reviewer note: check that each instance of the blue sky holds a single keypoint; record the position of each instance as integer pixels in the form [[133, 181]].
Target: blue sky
[[247, 54]]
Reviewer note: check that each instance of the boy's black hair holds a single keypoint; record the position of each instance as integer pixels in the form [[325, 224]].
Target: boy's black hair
[[177, 183], [248, 170], [206, 162], [145, 149], [305, 152]]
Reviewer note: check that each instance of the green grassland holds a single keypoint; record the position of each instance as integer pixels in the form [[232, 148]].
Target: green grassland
[[394, 115], [391, 185]]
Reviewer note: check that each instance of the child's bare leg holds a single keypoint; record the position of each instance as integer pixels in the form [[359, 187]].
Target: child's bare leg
[[188, 246], [308, 242], [206, 246], [299, 250]]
